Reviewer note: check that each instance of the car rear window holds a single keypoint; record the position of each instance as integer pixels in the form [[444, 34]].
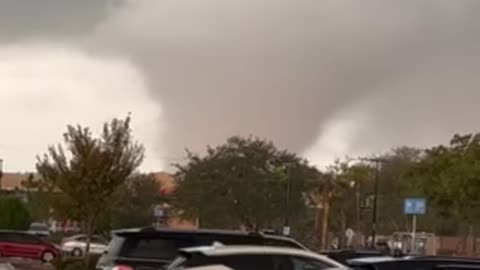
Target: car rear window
[[153, 248], [115, 245]]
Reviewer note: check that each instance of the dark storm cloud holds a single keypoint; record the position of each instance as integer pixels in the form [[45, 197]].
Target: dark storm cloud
[[46, 19], [280, 69], [283, 69]]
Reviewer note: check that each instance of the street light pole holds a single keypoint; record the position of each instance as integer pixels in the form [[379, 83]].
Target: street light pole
[[375, 202]]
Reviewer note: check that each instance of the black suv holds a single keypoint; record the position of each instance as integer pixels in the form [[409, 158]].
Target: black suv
[[149, 248]]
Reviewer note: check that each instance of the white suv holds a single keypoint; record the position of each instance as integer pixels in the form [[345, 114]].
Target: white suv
[[252, 258]]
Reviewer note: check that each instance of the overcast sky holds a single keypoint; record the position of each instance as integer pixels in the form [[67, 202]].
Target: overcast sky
[[323, 78]]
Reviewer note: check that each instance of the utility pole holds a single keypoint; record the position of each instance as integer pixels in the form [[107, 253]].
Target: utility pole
[[286, 226], [377, 162], [375, 202]]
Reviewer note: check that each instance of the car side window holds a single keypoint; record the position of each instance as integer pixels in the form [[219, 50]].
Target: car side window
[[154, 248], [81, 239], [280, 243], [207, 240], [3, 237], [300, 263], [27, 239], [248, 262], [456, 267], [97, 240]]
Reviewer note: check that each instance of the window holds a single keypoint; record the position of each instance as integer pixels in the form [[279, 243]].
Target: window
[[207, 240], [236, 262], [115, 245], [281, 243], [248, 262], [401, 265], [160, 248], [97, 240], [457, 267], [24, 238], [299, 263]]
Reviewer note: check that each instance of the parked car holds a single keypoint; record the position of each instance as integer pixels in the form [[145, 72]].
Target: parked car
[[253, 258], [26, 245], [418, 263], [154, 248], [76, 245], [39, 229]]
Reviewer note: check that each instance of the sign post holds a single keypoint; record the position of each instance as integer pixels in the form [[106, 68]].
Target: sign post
[[414, 207]]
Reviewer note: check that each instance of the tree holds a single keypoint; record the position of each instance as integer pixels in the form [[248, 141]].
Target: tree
[[450, 177], [349, 182], [245, 182], [87, 170], [134, 201], [15, 215], [38, 198]]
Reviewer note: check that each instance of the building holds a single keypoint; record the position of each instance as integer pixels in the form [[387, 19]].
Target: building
[[165, 216]]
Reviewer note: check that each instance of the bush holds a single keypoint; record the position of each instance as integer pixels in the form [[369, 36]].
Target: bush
[[15, 215]]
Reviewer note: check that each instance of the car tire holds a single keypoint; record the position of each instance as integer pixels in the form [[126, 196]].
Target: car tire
[[76, 252], [48, 256]]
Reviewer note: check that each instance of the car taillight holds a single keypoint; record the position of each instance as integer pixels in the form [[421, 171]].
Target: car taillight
[[122, 267]]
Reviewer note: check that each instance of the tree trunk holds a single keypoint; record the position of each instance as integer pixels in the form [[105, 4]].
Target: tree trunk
[[343, 229], [90, 226], [326, 214]]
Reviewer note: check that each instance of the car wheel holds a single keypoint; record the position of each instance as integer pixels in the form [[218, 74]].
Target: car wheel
[[48, 256], [76, 252]]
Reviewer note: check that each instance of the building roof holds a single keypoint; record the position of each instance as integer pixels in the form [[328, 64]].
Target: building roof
[[166, 181], [13, 181]]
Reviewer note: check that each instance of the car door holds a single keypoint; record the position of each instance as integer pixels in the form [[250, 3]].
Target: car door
[[97, 245], [7, 243], [26, 246]]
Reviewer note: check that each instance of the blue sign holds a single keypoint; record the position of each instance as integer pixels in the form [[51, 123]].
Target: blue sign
[[415, 206]]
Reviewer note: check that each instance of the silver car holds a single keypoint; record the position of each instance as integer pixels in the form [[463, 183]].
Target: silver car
[[76, 245]]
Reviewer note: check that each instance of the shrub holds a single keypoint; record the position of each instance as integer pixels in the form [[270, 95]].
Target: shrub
[[15, 215]]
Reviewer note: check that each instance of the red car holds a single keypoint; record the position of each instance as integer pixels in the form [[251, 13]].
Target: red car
[[25, 245]]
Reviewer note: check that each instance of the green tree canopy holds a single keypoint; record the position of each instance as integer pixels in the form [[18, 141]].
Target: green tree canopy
[[244, 182], [134, 201], [86, 170], [450, 176]]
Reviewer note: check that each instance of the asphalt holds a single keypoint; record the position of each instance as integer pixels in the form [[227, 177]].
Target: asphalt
[[23, 264]]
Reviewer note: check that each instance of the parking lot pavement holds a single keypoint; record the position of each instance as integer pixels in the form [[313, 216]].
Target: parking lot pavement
[[6, 266], [23, 264]]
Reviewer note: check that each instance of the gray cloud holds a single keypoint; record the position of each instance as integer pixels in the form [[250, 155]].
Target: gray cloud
[[280, 69], [397, 71], [47, 19]]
